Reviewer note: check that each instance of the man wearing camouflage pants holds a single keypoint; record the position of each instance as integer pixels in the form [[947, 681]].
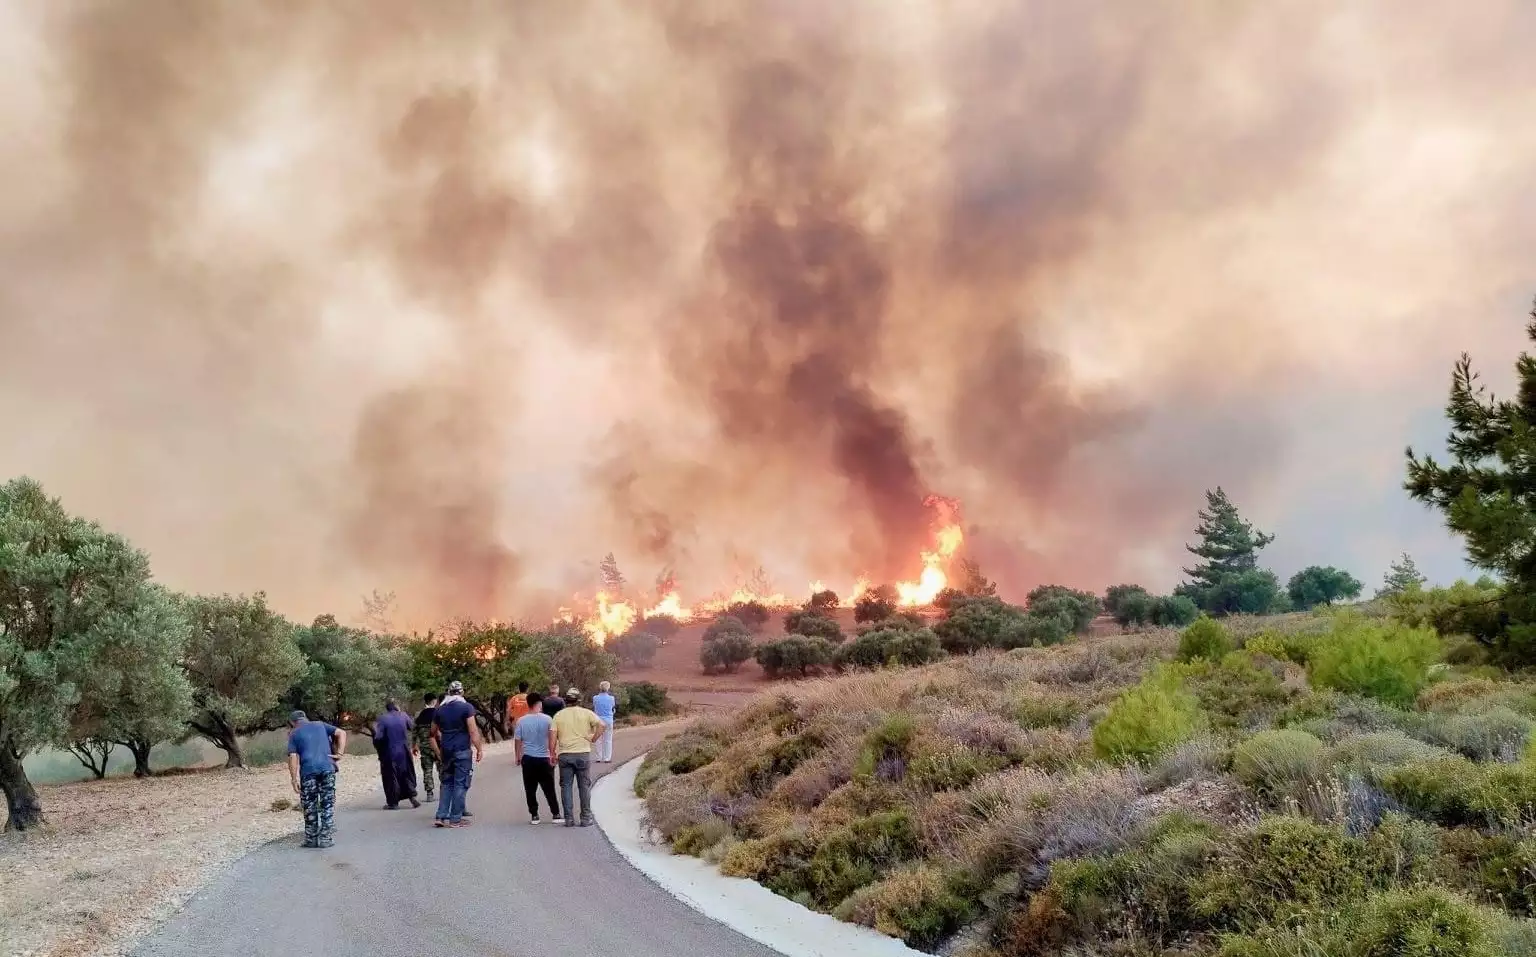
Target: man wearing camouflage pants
[[314, 747], [424, 743]]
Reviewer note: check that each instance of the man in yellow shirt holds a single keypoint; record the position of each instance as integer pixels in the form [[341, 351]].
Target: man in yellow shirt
[[571, 736]]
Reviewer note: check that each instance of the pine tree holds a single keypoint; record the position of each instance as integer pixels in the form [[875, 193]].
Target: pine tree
[[1488, 492], [1229, 580], [613, 579], [1402, 576]]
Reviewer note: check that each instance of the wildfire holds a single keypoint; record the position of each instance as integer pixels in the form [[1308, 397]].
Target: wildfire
[[609, 617]]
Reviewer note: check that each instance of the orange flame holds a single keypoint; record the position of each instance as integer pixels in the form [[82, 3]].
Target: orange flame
[[606, 618]]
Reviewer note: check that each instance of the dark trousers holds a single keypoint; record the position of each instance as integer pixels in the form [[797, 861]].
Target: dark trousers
[[458, 774], [576, 769], [398, 772], [539, 773], [317, 796]]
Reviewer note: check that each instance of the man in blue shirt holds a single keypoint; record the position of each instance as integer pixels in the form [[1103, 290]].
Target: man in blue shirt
[[605, 706], [531, 737], [314, 747], [456, 738]]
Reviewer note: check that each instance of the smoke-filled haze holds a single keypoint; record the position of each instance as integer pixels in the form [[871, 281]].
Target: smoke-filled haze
[[451, 299]]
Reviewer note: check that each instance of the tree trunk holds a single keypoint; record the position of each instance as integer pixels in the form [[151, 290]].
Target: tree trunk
[[230, 742], [140, 751], [25, 813]]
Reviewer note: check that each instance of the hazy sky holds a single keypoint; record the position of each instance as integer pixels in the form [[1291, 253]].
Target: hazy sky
[[454, 298]]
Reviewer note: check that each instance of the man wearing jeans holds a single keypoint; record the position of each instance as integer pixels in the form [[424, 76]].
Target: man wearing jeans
[[605, 707], [571, 736], [456, 739], [314, 747], [532, 753]]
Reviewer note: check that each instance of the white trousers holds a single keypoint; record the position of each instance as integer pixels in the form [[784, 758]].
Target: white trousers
[[603, 749]]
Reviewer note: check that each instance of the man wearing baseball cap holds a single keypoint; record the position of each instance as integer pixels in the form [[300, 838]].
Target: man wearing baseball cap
[[314, 747], [456, 738], [571, 738]]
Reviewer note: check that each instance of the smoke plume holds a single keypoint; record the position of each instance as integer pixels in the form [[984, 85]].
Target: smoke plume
[[452, 299]]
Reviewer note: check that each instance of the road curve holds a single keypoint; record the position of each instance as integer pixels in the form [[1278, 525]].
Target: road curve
[[394, 886]]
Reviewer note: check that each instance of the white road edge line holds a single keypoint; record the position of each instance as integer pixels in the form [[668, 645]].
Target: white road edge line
[[746, 907]]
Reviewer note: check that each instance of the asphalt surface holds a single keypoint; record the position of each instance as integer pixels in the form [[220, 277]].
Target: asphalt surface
[[395, 886]]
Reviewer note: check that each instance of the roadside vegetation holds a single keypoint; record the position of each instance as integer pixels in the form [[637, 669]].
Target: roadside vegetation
[[1277, 779]]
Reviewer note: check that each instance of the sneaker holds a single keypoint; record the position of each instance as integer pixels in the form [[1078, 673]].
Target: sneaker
[[460, 823], [309, 844], [570, 823], [467, 814], [588, 822], [439, 823], [534, 819], [326, 844]]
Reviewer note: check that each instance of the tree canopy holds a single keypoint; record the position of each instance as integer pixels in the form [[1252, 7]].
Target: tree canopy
[[1402, 576], [71, 596], [350, 672], [1317, 585], [1228, 580], [241, 659]]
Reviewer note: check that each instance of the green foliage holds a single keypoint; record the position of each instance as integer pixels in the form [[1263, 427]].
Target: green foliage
[[1402, 577], [813, 623], [241, 659], [1385, 660], [856, 855], [1235, 693], [1228, 580], [350, 672], [888, 645], [564, 656], [794, 655], [1116, 597], [725, 651], [1316, 585], [1419, 922], [635, 648], [1204, 639], [1275, 762], [1455, 792], [971, 624], [876, 604], [1149, 719], [917, 905], [753, 614], [643, 697], [726, 625], [662, 626], [1079, 608], [490, 659]]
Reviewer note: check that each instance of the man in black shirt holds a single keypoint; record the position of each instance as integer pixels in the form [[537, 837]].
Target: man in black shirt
[[553, 702]]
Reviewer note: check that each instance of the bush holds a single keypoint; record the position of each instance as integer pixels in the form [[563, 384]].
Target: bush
[[1206, 639], [753, 614], [1497, 734], [813, 624], [1385, 660], [726, 651], [644, 697], [1236, 693], [1117, 598], [1276, 762], [889, 645], [1079, 608], [916, 905], [1148, 720], [877, 604], [1373, 754], [1455, 792], [635, 648], [1282, 869], [824, 600], [662, 626], [795, 655]]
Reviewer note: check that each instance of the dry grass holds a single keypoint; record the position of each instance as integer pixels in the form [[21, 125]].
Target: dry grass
[[123, 854]]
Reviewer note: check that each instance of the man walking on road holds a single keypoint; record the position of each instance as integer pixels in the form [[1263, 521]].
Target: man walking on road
[[531, 736], [571, 737], [518, 706], [606, 707], [553, 702], [456, 737], [314, 747], [422, 745], [392, 738]]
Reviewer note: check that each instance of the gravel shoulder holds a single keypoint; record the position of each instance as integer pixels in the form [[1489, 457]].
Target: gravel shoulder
[[125, 854]]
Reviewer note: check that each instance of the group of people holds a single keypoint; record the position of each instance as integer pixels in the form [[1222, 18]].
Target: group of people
[[550, 731]]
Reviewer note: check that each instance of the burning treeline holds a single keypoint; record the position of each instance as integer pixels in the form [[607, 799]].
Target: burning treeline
[[443, 298], [614, 610]]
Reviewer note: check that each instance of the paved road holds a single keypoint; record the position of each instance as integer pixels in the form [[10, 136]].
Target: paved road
[[394, 886]]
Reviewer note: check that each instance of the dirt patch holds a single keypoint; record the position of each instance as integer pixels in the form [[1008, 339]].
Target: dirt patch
[[124, 854]]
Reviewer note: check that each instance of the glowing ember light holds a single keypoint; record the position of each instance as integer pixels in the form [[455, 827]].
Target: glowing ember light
[[672, 606], [610, 619]]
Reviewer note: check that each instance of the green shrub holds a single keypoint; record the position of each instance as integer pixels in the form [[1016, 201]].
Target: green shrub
[[1497, 868], [952, 768], [753, 614], [971, 624], [877, 604], [644, 697], [851, 857], [635, 648], [1078, 608], [1497, 734], [1235, 692], [1207, 639], [1380, 659], [917, 905], [795, 655], [813, 624], [1267, 644], [1374, 753], [1277, 761], [1424, 922], [887, 747], [1173, 611], [1282, 869], [1149, 719], [726, 651], [1047, 711], [889, 645], [1456, 792]]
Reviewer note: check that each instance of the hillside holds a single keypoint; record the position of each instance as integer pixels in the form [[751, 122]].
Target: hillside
[[1100, 799]]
